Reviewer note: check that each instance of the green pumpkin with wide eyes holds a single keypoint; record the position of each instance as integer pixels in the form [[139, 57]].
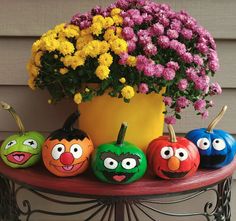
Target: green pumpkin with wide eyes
[[23, 149], [119, 162]]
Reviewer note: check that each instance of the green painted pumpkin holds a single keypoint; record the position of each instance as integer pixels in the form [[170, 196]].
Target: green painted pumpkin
[[119, 162], [23, 149]]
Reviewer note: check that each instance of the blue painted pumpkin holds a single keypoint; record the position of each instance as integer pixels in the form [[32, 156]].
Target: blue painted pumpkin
[[217, 148]]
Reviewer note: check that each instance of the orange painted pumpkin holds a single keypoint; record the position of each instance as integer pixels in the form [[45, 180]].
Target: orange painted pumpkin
[[66, 151], [172, 157]]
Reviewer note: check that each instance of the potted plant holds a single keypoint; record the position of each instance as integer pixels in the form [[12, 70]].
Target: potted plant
[[131, 49]]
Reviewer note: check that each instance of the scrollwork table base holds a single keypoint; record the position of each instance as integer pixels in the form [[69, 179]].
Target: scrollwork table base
[[140, 201]]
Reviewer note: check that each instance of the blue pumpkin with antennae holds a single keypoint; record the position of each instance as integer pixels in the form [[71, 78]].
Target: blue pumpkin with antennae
[[217, 148]]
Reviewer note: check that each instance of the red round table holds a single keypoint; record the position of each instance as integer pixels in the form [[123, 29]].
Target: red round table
[[115, 202]]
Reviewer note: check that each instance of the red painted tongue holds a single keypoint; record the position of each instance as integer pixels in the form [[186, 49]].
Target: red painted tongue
[[119, 178]]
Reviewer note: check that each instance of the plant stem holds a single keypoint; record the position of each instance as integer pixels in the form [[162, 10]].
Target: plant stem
[[216, 120], [12, 111], [121, 135], [173, 138]]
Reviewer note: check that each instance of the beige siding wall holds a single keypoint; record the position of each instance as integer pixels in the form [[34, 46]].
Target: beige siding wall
[[23, 21]]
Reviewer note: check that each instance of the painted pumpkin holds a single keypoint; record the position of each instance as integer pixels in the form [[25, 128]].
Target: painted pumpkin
[[171, 157], [23, 149], [66, 151], [119, 162], [216, 147]]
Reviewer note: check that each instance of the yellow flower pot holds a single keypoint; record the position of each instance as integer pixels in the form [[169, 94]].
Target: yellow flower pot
[[101, 118]]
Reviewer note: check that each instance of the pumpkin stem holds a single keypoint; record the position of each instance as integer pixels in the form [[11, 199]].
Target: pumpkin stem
[[216, 120], [70, 121], [121, 135], [172, 133], [12, 111]]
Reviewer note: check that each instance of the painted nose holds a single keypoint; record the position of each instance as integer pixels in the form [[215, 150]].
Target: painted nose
[[173, 163], [67, 158]]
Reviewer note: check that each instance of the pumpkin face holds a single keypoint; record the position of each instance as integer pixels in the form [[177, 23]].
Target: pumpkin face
[[119, 162], [66, 151], [172, 160], [21, 151], [217, 148]]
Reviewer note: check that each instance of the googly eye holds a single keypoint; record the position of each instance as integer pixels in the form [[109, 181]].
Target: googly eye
[[31, 143], [218, 144], [110, 163], [128, 163], [203, 143], [76, 151], [167, 152], [57, 151], [181, 154], [10, 144]]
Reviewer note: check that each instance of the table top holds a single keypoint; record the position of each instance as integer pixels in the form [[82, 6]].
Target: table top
[[86, 184]]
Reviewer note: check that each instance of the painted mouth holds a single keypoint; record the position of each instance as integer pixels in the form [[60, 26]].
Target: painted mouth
[[174, 174], [212, 160], [69, 168], [18, 157], [117, 177]]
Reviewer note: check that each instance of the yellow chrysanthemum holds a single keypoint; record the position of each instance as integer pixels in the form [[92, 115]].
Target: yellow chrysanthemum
[[110, 35], [92, 49], [131, 61], [87, 90], [51, 34], [85, 32], [80, 54], [59, 28], [31, 83], [115, 11], [118, 20], [108, 22], [96, 28], [99, 19], [119, 32], [73, 61], [102, 72], [69, 32], [32, 69], [36, 46], [105, 59], [122, 80], [127, 92], [119, 45], [78, 98], [37, 58], [83, 40], [104, 47], [66, 47], [63, 71], [50, 44]]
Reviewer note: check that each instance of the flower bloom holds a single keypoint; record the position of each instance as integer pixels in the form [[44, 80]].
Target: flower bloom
[[127, 92], [164, 41], [182, 102], [105, 59], [159, 70], [205, 114], [167, 101], [199, 105], [128, 33], [215, 89], [170, 120], [143, 88], [173, 65], [122, 80], [78, 98], [102, 72], [183, 84], [168, 74]]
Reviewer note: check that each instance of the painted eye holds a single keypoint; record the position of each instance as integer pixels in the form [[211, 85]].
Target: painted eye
[[167, 152], [57, 151], [76, 151], [218, 144], [10, 144], [31, 143], [203, 143], [110, 163], [181, 154], [128, 163]]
